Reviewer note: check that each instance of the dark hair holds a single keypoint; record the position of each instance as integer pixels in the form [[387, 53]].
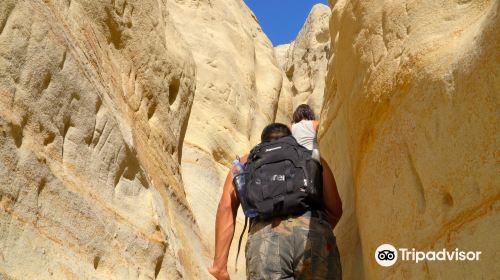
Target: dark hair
[[303, 112], [274, 131]]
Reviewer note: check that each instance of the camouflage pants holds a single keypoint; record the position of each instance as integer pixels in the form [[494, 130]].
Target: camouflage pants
[[296, 247]]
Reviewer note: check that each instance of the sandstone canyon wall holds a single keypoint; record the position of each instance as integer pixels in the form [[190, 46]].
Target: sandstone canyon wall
[[303, 63], [97, 114], [409, 126], [119, 120], [94, 97], [237, 87]]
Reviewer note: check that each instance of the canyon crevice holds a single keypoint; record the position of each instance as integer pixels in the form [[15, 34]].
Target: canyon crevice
[[119, 121]]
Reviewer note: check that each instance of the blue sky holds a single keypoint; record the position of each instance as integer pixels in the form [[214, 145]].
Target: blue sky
[[282, 20]]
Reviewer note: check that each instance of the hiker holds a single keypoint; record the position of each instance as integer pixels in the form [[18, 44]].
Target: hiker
[[292, 238], [305, 127]]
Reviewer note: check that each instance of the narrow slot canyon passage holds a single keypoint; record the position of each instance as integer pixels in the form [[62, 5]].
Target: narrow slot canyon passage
[[119, 121]]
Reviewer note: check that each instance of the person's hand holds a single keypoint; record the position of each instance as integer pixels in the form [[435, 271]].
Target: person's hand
[[219, 274]]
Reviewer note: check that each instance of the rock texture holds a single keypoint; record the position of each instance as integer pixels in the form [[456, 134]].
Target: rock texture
[[102, 102], [409, 126], [237, 87], [94, 100], [304, 63], [285, 99]]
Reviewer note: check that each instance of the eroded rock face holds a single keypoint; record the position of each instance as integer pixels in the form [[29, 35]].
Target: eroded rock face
[[304, 64], [94, 97], [409, 127], [237, 87], [285, 99]]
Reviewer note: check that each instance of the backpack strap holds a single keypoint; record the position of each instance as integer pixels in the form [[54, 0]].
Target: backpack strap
[[239, 245]]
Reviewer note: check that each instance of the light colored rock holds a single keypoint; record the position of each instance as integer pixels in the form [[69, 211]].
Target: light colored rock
[[285, 99], [237, 88], [281, 55], [94, 97], [304, 62], [95, 101], [409, 126]]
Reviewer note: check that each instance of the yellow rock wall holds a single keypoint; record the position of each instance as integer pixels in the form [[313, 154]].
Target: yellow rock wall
[[237, 87], [101, 102], [94, 96], [119, 120], [409, 125]]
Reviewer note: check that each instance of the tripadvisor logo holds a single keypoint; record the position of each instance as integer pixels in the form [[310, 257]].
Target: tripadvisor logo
[[387, 255]]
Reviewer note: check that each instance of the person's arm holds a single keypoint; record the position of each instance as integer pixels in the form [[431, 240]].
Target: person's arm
[[316, 125], [224, 227], [331, 197]]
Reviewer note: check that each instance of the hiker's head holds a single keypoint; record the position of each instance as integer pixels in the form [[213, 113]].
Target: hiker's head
[[303, 112], [274, 131]]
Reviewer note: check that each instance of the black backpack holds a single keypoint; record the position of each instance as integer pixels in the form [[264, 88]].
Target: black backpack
[[283, 179]]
